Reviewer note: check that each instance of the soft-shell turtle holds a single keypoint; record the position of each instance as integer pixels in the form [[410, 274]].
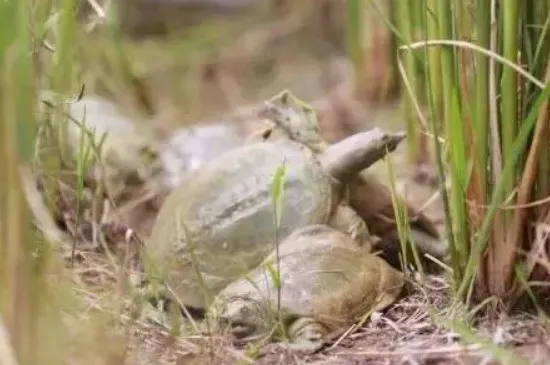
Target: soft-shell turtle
[[294, 119], [220, 221], [326, 282]]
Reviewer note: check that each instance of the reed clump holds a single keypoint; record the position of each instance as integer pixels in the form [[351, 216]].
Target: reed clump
[[480, 70]]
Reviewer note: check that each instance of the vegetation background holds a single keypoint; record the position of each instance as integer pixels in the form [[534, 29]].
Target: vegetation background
[[468, 79]]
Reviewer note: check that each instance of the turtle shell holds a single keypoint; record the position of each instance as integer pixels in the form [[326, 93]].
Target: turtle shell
[[219, 221], [324, 277]]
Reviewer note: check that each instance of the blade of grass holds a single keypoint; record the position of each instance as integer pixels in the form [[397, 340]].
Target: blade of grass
[[471, 46], [434, 91], [277, 197], [481, 102], [478, 186], [405, 25], [454, 131], [502, 251], [403, 228], [353, 38], [21, 295], [433, 61]]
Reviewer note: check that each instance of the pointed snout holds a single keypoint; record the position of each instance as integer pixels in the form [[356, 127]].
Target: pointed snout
[[347, 158]]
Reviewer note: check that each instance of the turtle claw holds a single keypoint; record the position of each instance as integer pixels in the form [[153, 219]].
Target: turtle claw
[[305, 346], [306, 335]]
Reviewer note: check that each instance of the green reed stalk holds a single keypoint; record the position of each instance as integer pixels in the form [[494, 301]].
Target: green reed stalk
[[509, 83], [434, 64], [455, 138], [354, 13], [434, 99], [481, 99], [500, 265], [28, 302], [478, 187], [20, 292], [405, 24]]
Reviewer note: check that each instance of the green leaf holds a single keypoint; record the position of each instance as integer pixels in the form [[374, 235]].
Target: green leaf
[[277, 191], [274, 275]]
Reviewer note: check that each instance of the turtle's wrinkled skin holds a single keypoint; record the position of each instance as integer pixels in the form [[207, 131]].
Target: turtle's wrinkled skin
[[327, 282], [219, 220], [290, 117]]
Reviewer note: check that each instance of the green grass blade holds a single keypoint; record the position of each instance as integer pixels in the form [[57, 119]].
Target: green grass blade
[[277, 192]]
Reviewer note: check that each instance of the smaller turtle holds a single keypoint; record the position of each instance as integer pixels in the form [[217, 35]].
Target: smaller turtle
[[326, 282], [292, 118]]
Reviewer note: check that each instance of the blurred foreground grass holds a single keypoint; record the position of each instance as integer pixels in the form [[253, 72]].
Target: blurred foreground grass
[[45, 317], [30, 303], [52, 315]]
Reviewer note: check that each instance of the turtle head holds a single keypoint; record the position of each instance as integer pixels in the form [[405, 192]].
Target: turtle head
[[345, 159], [244, 316], [247, 321], [296, 118]]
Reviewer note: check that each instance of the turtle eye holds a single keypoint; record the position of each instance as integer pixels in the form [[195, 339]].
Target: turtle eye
[[266, 134]]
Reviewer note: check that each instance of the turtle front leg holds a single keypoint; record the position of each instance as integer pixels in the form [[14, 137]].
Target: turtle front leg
[[306, 334], [347, 221]]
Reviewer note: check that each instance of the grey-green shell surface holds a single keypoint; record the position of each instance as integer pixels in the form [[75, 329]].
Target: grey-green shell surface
[[220, 220]]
